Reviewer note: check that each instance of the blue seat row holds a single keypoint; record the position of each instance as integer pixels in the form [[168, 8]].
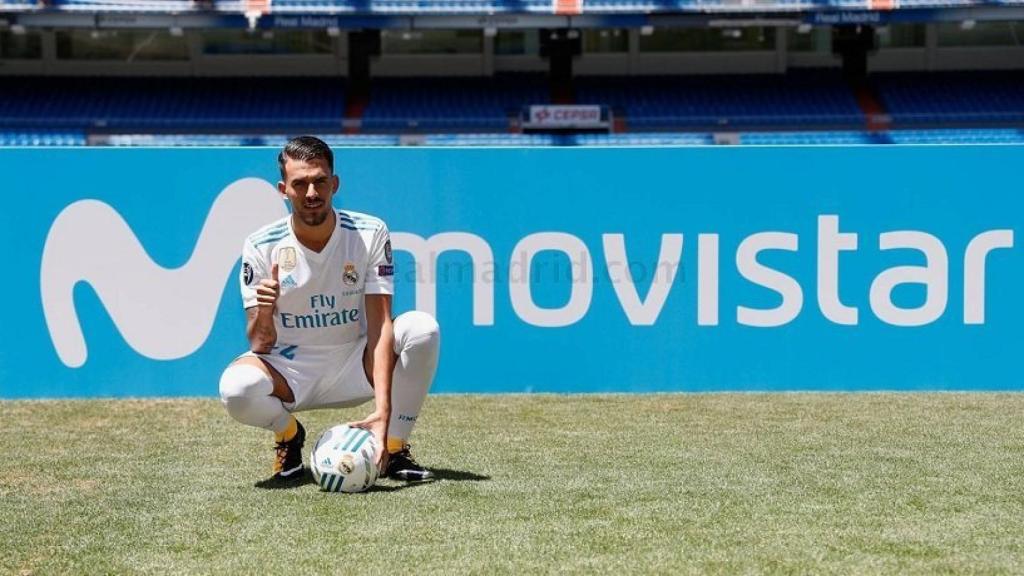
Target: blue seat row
[[820, 98], [124, 5], [945, 97], [812, 138], [798, 138], [234, 140], [42, 138], [467, 104], [254, 104], [20, 4], [806, 100], [668, 102], [846, 138], [958, 136]]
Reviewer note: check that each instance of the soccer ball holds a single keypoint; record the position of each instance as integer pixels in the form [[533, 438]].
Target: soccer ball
[[344, 459]]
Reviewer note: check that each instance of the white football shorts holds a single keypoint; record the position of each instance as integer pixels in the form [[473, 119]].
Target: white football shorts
[[322, 376]]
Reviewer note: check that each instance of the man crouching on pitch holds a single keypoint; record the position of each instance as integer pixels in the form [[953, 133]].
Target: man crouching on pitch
[[317, 289]]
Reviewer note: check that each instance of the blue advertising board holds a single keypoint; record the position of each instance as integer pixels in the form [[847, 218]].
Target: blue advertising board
[[555, 270]]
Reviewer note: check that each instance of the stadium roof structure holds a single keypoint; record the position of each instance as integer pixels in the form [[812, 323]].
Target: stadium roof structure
[[482, 7], [462, 14]]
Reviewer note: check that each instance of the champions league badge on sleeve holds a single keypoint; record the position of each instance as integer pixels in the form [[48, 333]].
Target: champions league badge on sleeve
[[387, 251], [247, 273]]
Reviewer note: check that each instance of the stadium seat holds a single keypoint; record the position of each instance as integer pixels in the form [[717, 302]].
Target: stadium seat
[[20, 5], [672, 102], [124, 5], [42, 139], [171, 104], [958, 136], [491, 140], [644, 139], [808, 138], [275, 141], [935, 98], [799, 138], [447, 104]]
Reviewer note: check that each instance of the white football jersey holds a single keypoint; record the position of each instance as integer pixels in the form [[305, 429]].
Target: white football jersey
[[321, 300]]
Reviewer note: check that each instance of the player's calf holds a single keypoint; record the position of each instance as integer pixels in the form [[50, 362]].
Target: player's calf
[[418, 345], [245, 391]]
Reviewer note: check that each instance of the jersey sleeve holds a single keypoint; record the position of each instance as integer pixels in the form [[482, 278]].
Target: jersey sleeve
[[380, 265], [253, 270]]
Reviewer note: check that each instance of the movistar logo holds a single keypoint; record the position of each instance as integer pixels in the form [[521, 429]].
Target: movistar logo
[[162, 313], [167, 313]]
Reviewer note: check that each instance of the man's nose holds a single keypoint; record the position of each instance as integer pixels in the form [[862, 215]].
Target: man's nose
[[311, 191]]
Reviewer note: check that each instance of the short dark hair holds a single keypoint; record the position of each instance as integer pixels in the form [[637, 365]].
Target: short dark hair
[[305, 148]]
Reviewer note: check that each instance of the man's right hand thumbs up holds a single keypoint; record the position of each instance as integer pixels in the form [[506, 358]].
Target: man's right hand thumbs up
[[268, 290]]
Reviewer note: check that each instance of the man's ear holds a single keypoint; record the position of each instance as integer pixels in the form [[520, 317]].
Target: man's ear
[[337, 183], [281, 187]]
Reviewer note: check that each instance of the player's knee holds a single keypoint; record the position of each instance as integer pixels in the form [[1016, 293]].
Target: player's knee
[[244, 381], [417, 328]]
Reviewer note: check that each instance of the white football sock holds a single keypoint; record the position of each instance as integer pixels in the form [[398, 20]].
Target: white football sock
[[417, 344]]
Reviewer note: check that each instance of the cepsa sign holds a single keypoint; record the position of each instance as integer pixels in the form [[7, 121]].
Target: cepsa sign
[[577, 116]]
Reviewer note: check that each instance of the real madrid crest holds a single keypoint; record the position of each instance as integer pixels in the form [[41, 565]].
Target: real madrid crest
[[287, 259], [350, 277], [346, 464]]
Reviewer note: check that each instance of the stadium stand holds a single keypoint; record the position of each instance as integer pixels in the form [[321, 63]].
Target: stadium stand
[[123, 5], [804, 102], [820, 98], [823, 138], [18, 5], [934, 98], [833, 138], [642, 139], [276, 140], [43, 139], [958, 136], [459, 104], [171, 104], [826, 138]]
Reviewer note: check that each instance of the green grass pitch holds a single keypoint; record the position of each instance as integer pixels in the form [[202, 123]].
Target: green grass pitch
[[720, 483]]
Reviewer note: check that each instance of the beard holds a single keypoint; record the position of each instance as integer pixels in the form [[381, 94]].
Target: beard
[[315, 218]]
